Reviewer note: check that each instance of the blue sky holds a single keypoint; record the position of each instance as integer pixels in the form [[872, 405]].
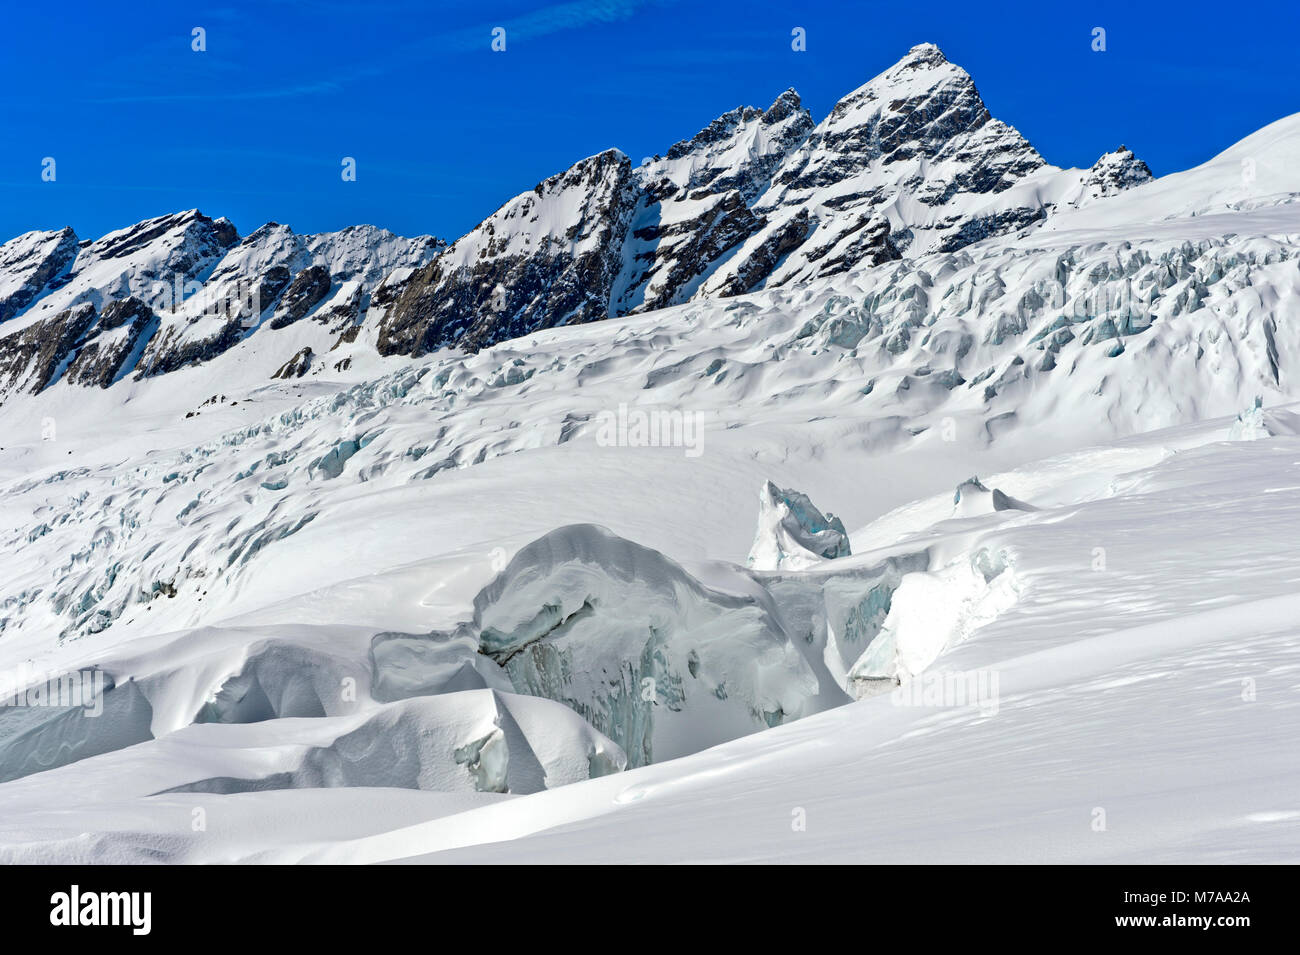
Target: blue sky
[[444, 130]]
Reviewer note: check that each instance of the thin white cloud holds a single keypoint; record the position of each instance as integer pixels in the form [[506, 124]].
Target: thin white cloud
[[557, 18]]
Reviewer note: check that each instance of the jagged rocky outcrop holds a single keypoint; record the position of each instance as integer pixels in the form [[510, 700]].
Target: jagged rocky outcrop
[[179, 290], [297, 366], [695, 203], [307, 290], [79, 345], [342, 311], [676, 251], [31, 263], [906, 162], [275, 278], [740, 150], [37, 354], [1110, 175], [158, 260], [548, 257], [123, 332]]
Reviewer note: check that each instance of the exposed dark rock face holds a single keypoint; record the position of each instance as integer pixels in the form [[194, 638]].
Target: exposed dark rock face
[[343, 311], [37, 355], [695, 204], [157, 255], [138, 237], [742, 149], [347, 337], [909, 163], [874, 244], [903, 164], [272, 283], [637, 240], [546, 258], [390, 290], [178, 290], [31, 262], [78, 346], [982, 227], [760, 261], [674, 254], [308, 289], [173, 351], [297, 366], [104, 358], [920, 107]]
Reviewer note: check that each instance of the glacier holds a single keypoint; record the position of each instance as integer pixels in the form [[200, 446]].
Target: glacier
[[364, 578]]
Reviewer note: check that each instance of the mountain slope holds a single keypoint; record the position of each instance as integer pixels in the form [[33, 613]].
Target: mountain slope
[[1257, 174], [28, 266], [178, 290], [548, 257], [695, 202]]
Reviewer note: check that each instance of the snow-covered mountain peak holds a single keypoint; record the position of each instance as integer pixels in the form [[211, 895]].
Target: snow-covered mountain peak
[[367, 253], [512, 534], [560, 212], [178, 290], [190, 223], [725, 127], [167, 250], [740, 150], [547, 257], [924, 75], [783, 106], [1112, 174], [923, 55], [909, 162]]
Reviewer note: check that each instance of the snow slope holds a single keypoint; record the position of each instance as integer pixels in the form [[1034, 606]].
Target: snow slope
[[1153, 681]]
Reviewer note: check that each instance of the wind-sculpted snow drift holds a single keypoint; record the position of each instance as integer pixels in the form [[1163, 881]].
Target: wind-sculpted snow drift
[[972, 498], [465, 740]]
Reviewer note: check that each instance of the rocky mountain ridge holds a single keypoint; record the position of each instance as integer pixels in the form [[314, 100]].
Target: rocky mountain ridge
[[909, 164]]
